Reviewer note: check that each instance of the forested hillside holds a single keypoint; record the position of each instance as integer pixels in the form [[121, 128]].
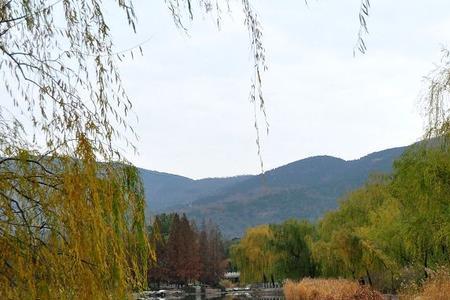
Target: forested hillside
[[303, 189]]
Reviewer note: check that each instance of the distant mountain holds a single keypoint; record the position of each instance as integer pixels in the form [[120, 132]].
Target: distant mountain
[[164, 190], [306, 189]]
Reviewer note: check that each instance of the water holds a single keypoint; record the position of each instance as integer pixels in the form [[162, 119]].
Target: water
[[216, 294], [239, 296]]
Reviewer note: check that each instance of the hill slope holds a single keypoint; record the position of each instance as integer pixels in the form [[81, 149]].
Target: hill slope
[[303, 189], [164, 190]]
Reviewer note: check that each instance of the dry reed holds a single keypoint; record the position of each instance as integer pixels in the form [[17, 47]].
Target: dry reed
[[436, 287], [328, 289]]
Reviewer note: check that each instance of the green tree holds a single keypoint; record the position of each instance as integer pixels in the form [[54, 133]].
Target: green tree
[[392, 226], [422, 185], [342, 248], [291, 241]]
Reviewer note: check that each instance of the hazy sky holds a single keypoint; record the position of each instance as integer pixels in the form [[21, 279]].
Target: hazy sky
[[190, 93]]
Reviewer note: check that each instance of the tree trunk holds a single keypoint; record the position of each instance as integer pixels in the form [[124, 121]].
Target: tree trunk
[[368, 277]]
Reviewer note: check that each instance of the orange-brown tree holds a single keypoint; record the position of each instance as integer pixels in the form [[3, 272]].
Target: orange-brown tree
[[212, 254], [186, 254]]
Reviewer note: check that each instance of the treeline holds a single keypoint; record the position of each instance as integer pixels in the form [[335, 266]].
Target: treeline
[[395, 229], [184, 253]]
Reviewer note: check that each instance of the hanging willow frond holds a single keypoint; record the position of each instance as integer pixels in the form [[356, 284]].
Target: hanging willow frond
[[364, 10], [178, 9], [70, 227], [62, 74], [437, 100]]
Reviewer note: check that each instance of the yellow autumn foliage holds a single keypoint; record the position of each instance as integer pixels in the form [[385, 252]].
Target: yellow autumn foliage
[[252, 256], [70, 227]]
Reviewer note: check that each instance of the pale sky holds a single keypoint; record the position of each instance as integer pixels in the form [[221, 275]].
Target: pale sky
[[190, 92]]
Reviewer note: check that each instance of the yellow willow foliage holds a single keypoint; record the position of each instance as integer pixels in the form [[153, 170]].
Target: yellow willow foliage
[[70, 228], [252, 255]]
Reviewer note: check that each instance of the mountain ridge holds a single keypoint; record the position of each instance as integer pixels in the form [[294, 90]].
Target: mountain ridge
[[305, 188]]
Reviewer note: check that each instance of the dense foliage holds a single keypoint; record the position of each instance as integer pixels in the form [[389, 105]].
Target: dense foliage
[[393, 229], [252, 255], [70, 227], [185, 254]]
